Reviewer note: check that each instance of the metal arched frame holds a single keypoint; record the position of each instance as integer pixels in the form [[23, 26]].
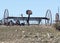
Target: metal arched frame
[[6, 14], [48, 15]]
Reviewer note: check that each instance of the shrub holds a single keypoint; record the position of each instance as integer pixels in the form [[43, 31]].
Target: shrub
[[57, 26]]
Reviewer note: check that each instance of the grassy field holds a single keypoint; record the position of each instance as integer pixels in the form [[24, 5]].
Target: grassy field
[[29, 34]]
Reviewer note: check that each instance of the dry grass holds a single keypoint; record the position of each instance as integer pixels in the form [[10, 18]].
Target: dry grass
[[29, 34]]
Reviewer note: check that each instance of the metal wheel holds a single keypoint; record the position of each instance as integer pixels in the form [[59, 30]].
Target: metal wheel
[[48, 15], [6, 14]]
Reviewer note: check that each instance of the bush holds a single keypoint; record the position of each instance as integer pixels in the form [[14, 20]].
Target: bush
[[57, 26]]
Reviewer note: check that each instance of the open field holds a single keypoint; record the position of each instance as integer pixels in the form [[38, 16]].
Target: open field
[[29, 34]]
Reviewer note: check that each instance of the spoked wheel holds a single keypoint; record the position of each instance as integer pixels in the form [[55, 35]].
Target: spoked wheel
[[6, 14], [49, 16]]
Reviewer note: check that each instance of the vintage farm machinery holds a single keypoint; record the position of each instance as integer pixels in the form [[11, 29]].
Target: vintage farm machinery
[[47, 18]]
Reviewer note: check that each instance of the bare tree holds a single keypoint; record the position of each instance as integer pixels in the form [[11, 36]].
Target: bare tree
[[28, 12]]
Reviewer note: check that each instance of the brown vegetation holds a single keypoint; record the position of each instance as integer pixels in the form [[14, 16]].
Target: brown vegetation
[[29, 34]]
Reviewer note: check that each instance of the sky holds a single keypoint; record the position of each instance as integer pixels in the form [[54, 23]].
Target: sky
[[38, 7]]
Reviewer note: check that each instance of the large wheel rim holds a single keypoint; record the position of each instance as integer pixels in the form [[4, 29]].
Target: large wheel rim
[[6, 14], [48, 15]]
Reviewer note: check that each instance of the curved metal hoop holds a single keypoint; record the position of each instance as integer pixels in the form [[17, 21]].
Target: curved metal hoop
[[48, 15], [6, 14]]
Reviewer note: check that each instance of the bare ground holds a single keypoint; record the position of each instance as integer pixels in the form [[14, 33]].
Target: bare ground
[[29, 34]]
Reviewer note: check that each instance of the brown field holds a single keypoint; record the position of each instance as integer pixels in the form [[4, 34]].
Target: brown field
[[29, 34]]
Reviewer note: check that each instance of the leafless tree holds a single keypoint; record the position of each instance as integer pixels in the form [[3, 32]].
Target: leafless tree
[[28, 12]]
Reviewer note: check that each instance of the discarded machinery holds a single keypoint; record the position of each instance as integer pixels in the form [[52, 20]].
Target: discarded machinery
[[48, 15], [6, 14], [57, 18]]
